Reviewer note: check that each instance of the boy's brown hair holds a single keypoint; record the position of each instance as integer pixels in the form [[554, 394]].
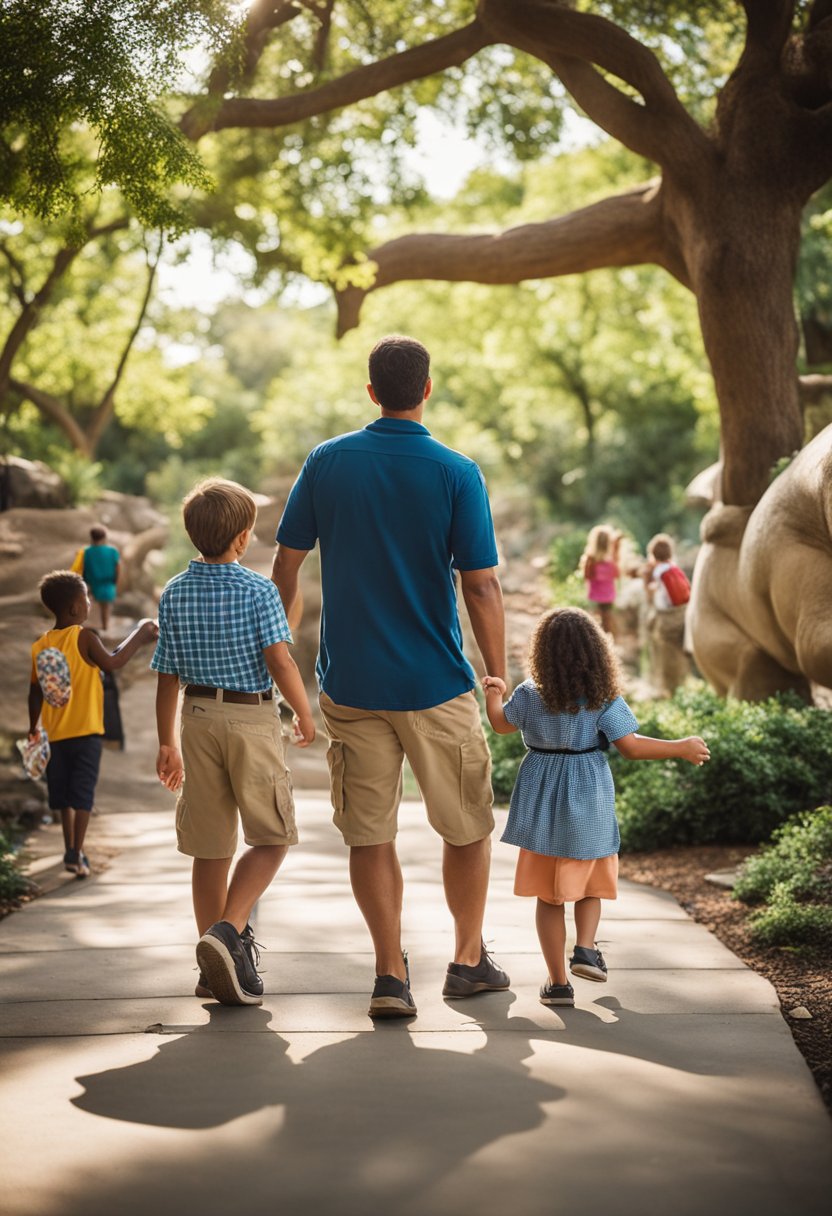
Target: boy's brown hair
[[59, 589], [661, 547], [215, 511], [572, 662]]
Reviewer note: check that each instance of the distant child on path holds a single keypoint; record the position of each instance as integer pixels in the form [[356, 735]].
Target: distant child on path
[[100, 570], [223, 635], [669, 662], [599, 566], [562, 810], [67, 691]]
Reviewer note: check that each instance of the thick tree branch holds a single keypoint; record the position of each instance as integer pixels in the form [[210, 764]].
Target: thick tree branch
[[426, 60], [263, 17], [570, 43], [55, 411], [625, 230], [814, 388], [768, 24]]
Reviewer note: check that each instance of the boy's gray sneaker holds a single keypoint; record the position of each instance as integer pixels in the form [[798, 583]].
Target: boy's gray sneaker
[[589, 964], [251, 948], [463, 981], [557, 994], [224, 958], [201, 989], [392, 997]]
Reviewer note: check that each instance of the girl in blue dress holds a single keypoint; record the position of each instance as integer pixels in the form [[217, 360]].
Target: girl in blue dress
[[562, 810]]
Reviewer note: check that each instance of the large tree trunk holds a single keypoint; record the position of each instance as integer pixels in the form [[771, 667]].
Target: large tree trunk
[[740, 245]]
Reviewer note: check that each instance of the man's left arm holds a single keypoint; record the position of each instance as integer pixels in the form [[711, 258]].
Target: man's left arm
[[483, 597]]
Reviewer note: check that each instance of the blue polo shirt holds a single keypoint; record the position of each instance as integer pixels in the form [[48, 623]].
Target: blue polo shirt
[[395, 513]]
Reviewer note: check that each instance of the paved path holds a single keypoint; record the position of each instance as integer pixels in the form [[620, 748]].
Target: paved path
[[675, 1088]]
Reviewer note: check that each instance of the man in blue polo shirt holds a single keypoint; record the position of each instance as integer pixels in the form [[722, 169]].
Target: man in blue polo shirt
[[397, 515]]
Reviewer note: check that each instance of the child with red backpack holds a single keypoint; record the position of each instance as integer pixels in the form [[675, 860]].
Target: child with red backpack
[[668, 591]]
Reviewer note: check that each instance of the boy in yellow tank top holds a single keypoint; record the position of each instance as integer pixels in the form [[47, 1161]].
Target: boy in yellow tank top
[[67, 692]]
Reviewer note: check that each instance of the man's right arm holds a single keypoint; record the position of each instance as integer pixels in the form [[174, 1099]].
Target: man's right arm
[[483, 597]]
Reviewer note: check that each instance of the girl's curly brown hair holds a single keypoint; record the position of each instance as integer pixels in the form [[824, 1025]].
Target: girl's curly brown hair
[[572, 662]]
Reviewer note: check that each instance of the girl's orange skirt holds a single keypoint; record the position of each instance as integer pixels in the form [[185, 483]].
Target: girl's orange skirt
[[559, 880]]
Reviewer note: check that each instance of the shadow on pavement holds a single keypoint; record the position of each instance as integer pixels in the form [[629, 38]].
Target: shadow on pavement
[[370, 1120]]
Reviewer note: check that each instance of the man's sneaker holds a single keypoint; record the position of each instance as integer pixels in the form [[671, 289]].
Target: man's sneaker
[[557, 994], [589, 964], [392, 997], [463, 981], [224, 960]]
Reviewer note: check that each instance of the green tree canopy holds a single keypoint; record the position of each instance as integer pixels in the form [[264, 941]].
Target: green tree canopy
[[106, 66]]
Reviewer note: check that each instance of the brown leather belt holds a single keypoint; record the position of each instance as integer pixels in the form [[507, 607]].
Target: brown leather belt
[[228, 694]]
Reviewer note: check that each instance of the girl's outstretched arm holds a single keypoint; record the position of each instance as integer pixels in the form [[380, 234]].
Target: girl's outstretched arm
[[642, 747], [495, 690]]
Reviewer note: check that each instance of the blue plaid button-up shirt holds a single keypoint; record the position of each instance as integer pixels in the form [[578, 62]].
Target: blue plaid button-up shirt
[[215, 621]]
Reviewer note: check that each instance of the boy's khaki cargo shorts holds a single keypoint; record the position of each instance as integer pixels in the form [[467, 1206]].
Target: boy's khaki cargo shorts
[[234, 760], [447, 751]]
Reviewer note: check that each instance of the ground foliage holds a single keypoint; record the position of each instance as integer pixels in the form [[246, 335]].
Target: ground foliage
[[793, 877]]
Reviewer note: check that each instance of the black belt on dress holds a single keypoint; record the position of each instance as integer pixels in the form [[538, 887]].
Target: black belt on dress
[[228, 694], [563, 751]]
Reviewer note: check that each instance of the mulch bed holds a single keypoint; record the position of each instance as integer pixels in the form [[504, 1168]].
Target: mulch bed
[[799, 976]]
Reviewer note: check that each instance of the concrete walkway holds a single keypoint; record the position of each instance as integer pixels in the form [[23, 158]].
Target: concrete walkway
[[674, 1088]]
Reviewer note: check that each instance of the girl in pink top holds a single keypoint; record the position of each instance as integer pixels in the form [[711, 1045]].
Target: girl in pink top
[[599, 566]]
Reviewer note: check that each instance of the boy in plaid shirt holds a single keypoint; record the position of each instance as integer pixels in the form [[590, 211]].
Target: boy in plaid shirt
[[223, 635]]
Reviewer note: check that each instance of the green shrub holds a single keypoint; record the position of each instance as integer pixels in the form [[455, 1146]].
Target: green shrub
[[787, 922], [798, 860], [12, 883], [769, 760], [81, 475]]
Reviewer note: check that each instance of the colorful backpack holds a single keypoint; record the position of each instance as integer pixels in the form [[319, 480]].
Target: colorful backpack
[[53, 676], [676, 584]]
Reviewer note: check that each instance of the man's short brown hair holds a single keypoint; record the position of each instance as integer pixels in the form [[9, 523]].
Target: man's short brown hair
[[399, 371], [215, 511]]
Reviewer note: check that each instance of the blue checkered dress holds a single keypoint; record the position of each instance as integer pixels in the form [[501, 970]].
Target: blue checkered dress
[[215, 622], [564, 806]]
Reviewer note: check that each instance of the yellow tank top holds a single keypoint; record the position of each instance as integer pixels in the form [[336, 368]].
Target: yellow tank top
[[83, 714]]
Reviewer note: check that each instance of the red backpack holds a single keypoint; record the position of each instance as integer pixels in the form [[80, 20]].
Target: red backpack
[[676, 585]]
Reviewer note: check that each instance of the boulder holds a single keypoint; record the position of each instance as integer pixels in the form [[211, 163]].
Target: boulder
[[30, 483]]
